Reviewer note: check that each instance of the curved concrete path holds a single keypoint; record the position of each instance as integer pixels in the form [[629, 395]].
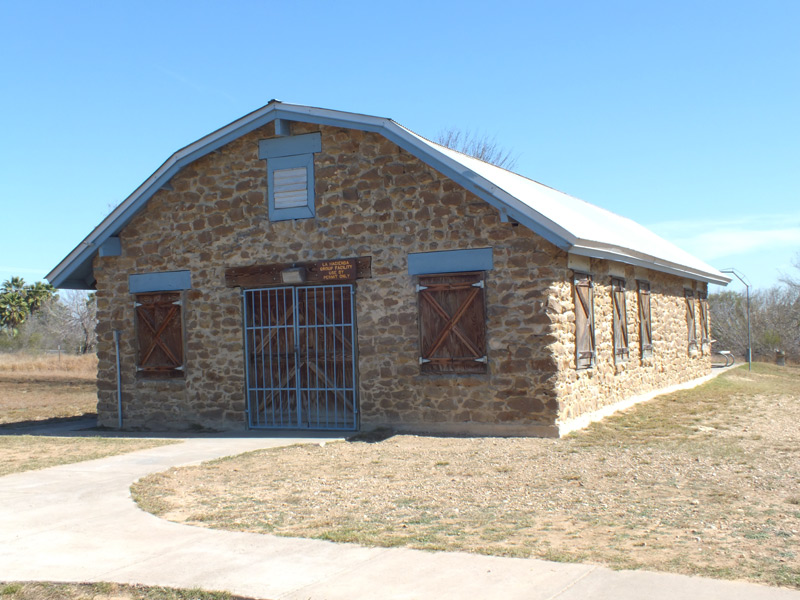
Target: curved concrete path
[[78, 523]]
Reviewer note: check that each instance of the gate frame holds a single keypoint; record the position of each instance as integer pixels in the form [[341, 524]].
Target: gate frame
[[356, 409]]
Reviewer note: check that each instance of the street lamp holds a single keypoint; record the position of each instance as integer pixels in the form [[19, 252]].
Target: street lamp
[[742, 277]]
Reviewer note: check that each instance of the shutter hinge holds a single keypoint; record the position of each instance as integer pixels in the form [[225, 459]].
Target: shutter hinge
[[180, 368], [422, 361], [135, 304], [178, 302], [479, 284], [482, 359], [421, 287]]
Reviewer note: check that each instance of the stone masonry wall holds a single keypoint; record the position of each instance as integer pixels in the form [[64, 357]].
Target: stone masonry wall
[[372, 199], [582, 391]]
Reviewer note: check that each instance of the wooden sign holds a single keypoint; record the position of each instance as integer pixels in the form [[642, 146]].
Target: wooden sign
[[333, 270], [340, 270]]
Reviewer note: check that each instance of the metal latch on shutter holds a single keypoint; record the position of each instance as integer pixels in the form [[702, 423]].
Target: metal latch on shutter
[[482, 359]]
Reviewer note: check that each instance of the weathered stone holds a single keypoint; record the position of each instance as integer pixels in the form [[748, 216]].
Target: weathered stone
[[372, 199]]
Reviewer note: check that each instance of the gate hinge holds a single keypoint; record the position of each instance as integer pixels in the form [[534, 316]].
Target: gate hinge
[[422, 361], [479, 284], [482, 359], [421, 287]]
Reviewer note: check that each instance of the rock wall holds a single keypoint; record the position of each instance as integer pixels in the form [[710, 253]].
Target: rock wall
[[672, 361], [372, 199]]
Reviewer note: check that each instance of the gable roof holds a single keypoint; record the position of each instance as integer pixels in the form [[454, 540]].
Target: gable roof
[[571, 224]]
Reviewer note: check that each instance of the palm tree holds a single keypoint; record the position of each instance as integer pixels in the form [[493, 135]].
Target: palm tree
[[13, 311], [15, 284], [38, 293]]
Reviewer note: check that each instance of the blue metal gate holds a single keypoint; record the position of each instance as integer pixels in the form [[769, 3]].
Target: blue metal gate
[[300, 357]]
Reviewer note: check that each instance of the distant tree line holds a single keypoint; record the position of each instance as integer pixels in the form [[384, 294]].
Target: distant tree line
[[774, 320], [35, 318]]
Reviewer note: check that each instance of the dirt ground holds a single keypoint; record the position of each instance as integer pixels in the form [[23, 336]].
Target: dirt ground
[[42, 388], [38, 388], [31, 452], [704, 481]]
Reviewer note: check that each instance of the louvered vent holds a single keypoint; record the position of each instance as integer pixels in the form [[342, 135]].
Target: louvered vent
[[291, 187]]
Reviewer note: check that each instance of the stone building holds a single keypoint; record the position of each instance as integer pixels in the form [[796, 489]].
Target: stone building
[[304, 268]]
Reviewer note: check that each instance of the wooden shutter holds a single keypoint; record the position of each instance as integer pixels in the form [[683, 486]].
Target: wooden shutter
[[705, 336], [690, 318], [584, 321], [620, 318], [452, 323], [645, 326], [159, 334]]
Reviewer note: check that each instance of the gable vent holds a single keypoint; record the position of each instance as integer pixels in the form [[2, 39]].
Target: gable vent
[[291, 187]]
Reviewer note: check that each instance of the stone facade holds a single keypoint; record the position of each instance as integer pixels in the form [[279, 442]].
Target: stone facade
[[580, 392], [372, 199]]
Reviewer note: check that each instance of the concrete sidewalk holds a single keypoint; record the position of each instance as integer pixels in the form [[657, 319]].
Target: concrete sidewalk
[[78, 523]]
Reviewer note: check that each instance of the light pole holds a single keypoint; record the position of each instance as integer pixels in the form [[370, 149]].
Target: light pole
[[742, 277]]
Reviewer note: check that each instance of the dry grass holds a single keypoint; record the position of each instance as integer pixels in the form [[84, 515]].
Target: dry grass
[[103, 591], [83, 366], [29, 453], [41, 388], [701, 482], [35, 388]]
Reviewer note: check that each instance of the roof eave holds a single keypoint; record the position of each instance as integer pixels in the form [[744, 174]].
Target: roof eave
[[592, 250]]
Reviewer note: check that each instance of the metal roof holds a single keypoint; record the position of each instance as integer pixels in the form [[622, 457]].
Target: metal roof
[[571, 224]]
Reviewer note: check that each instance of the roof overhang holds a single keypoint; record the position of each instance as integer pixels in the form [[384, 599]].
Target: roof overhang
[[75, 270]]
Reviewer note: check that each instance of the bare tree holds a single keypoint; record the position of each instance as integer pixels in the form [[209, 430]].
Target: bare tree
[[482, 147], [80, 318], [774, 317], [789, 280]]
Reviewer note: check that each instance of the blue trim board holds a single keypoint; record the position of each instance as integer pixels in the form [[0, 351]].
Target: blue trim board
[[290, 146], [283, 127], [110, 247], [450, 261], [168, 281]]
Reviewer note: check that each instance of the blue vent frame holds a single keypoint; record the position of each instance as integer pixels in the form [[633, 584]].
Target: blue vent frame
[[291, 162], [291, 152]]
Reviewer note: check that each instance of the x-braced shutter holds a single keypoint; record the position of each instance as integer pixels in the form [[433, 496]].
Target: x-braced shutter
[[705, 337], [452, 322], [690, 318], [620, 319], [584, 322], [159, 333], [645, 327]]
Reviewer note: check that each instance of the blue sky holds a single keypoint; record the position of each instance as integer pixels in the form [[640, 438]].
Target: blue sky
[[684, 116]]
